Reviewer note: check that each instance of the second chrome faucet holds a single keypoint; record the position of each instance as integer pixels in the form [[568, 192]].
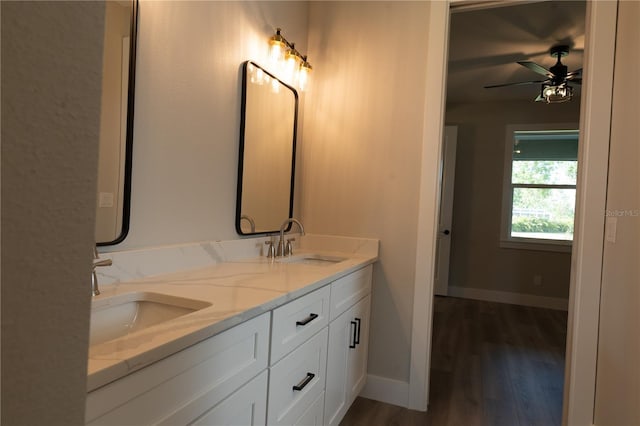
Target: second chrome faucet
[[285, 248]]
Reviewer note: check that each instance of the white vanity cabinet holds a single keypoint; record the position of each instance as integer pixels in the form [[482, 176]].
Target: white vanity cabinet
[[348, 343], [186, 386], [301, 364]]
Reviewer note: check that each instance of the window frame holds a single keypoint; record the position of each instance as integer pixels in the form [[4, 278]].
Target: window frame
[[506, 240]]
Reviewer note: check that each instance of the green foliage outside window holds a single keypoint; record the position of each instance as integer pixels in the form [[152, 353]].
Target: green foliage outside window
[[538, 225], [543, 210]]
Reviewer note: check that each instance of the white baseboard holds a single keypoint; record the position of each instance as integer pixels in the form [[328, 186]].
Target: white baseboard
[[556, 303], [382, 389]]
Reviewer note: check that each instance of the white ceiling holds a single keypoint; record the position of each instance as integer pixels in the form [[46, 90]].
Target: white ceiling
[[484, 46]]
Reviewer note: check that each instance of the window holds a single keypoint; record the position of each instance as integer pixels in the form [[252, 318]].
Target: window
[[540, 188]]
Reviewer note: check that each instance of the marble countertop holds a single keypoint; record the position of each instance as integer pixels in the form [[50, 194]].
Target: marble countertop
[[237, 291]]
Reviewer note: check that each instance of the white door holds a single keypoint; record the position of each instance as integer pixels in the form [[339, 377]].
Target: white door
[[443, 241]]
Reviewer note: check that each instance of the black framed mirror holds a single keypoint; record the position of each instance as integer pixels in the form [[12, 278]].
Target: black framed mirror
[[113, 198], [266, 167]]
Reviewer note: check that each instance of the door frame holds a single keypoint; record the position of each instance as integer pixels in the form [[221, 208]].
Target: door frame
[[586, 260]]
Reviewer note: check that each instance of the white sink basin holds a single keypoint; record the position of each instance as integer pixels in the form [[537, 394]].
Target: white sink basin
[[118, 316], [313, 259]]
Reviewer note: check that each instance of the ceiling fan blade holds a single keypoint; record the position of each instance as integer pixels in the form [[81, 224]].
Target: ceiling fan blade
[[575, 72], [521, 83], [536, 68], [539, 99]]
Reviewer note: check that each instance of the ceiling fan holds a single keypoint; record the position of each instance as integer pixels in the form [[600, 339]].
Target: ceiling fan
[[555, 88]]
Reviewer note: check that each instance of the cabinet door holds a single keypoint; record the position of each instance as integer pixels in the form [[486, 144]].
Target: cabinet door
[[346, 360], [357, 365], [181, 387], [341, 341], [245, 407]]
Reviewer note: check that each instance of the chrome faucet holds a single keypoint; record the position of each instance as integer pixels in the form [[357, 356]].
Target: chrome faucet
[[94, 276], [285, 249]]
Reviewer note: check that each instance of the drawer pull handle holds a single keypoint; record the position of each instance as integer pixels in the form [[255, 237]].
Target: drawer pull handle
[[353, 343], [357, 341], [307, 320], [304, 382]]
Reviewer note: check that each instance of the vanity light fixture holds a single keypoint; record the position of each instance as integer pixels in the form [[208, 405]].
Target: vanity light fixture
[[286, 57]]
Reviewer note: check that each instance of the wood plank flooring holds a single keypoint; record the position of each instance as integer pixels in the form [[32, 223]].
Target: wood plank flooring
[[492, 364]]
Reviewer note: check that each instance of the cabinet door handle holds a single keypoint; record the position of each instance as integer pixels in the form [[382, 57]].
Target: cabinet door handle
[[304, 382], [307, 320], [357, 341], [353, 343]]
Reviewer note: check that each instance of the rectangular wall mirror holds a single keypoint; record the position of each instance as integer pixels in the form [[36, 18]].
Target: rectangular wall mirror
[[116, 122], [267, 152]]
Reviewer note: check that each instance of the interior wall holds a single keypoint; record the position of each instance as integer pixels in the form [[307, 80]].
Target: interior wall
[[477, 261], [187, 113], [618, 374], [362, 149], [51, 69]]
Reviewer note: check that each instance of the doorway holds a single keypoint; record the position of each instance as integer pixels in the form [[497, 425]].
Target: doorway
[[487, 263], [587, 261]]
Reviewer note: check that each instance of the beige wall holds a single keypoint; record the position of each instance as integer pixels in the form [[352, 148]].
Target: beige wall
[[477, 261], [618, 373], [362, 148], [51, 68], [187, 113]]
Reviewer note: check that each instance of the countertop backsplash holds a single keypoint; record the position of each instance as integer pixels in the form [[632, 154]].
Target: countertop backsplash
[[130, 265]]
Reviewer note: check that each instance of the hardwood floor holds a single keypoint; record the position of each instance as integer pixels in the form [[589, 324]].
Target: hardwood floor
[[492, 364]]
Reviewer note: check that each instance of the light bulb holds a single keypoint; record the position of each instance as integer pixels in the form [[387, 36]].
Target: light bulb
[[276, 51], [276, 47], [303, 76], [291, 62], [549, 91]]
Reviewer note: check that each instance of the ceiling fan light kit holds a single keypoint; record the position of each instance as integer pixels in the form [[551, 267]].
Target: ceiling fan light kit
[[555, 89], [556, 94]]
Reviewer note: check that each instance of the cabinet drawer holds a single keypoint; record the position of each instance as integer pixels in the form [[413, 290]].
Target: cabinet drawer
[[297, 321], [346, 291], [180, 388], [246, 407], [297, 381]]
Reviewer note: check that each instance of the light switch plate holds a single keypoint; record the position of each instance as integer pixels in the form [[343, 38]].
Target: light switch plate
[[105, 199]]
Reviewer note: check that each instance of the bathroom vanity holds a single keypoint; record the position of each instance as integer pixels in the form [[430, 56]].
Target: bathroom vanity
[[250, 341]]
